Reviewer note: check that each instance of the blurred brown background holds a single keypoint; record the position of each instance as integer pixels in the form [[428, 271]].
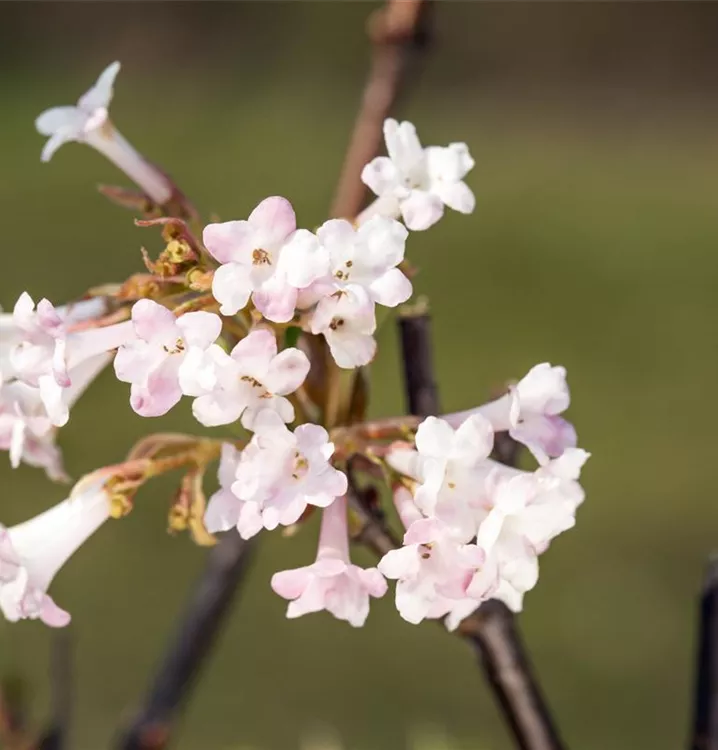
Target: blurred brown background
[[594, 245]]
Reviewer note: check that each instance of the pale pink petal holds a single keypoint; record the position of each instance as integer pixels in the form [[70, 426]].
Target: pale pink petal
[[473, 441], [200, 328], [276, 299], [351, 350], [303, 260], [230, 241], [434, 437], [424, 531], [136, 360], [59, 119], [218, 408], [391, 288], [400, 563], [421, 210], [291, 584], [380, 175], [456, 195], [287, 372], [222, 512], [255, 352], [372, 580], [161, 392], [250, 521], [153, 322], [231, 287], [52, 615], [274, 220], [100, 95]]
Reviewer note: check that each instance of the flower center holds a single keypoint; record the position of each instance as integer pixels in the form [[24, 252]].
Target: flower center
[[301, 466], [256, 384], [177, 349], [341, 274], [261, 258]]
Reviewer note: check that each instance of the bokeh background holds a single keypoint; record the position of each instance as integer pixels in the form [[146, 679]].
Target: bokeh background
[[594, 245]]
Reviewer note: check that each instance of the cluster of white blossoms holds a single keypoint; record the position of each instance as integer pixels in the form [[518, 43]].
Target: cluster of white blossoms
[[474, 528]]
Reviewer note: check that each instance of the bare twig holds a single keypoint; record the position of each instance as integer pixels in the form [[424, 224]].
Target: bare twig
[[395, 30], [56, 736], [422, 394], [705, 720], [198, 631]]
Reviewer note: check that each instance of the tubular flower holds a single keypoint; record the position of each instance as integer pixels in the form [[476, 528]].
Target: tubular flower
[[32, 553], [331, 583], [89, 122]]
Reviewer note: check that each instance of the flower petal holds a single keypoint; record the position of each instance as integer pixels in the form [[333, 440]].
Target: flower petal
[[231, 287], [273, 220]]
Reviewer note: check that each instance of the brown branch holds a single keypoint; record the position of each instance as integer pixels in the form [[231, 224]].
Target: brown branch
[[705, 720], [198, 631], [56, 736], [395, 30]]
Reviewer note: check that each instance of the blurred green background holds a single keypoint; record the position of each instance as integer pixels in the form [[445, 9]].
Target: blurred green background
[[594, 245]]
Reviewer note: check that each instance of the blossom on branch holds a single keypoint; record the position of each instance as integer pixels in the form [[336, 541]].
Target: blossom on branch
[[530, 412], [416, 182], [266, 258], [362, 272], [277, 476], [331, 583], [154, 358], [253, 377], [89, 122], [32, 553]]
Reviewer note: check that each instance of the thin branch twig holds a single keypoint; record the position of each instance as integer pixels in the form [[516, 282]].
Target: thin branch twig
[[56, 737], [395, 30], [198, 631], [705, 720]]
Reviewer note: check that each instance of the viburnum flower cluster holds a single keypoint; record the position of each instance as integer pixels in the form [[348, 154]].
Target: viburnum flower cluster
[[264, 325]]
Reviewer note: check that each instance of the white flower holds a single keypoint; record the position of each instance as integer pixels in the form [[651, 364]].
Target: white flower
[[347, 321], [367, 257], [11, 334], [332, 583], [253, 377], [32, 553], [89, 122], [48, 352], [278, 474], [153, 359], [432, 568], [530, 412], [449, 466], [418, 182], [266, 258]]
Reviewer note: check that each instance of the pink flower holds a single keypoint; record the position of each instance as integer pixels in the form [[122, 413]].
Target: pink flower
[[433, 567], [332, 583], [26, 430], [347, 321], [264, 257], [32, 553], [530, 412], [449, 466], [89, 122], [253, 377], [367, 257], [417, 182], [152, 362], [280, 473], [47, 352]]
